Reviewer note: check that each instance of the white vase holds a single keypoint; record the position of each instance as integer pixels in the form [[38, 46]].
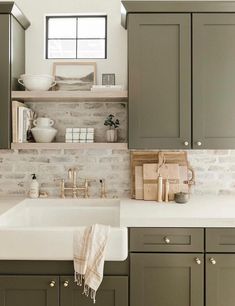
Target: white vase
[[112, 135], [43, 131]]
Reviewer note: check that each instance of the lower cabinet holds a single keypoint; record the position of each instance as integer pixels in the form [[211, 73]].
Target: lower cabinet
[[220, 280], [60, 291], [166, 279], [29, 291], [112, 292]]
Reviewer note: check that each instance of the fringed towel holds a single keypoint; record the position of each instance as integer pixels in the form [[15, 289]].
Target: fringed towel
[[89, 253]]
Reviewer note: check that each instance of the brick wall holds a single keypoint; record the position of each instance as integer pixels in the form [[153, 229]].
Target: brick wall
[[215, 170]]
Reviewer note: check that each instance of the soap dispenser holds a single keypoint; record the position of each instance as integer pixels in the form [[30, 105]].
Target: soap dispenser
[[34, 188]]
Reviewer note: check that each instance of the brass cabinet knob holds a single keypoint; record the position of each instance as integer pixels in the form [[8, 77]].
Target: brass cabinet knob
[[213, 261], [66, 284], [186, 143], [198, 261], [52, 284], [199, 143], [167, 240]]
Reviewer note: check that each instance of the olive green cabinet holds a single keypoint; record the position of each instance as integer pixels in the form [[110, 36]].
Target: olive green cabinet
[[60, 291], [166, 279], [159, 81], [29, 290], [181, 79], [220, 279], [214, 81], [112, 292], [12, 62]]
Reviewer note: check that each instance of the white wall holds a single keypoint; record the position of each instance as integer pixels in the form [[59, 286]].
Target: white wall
[[36, 10]]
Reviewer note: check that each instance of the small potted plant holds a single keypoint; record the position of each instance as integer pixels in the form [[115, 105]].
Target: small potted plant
[[113, 124]]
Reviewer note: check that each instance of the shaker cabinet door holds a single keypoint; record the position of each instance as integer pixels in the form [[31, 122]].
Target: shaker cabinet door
[[29, 291], [166, 280], [220, 279], [159, 81], [214, 81], [112, 292]]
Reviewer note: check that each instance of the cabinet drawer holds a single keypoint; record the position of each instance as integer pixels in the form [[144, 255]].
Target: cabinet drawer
[[220, 240], [166, 240]]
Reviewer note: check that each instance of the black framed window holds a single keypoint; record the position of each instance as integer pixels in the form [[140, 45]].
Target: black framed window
[[76, 37]]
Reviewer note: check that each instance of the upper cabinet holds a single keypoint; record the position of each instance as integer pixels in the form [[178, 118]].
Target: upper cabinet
[[12, 62], [214, 81], [181, 74], [159, 81]]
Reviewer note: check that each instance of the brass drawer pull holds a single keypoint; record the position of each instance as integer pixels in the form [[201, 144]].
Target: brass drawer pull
[[167, 240], [52, 284], [213, 261], [66, 284], [198, 261]]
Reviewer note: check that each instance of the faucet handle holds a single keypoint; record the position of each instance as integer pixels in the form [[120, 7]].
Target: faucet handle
[[70, 173]]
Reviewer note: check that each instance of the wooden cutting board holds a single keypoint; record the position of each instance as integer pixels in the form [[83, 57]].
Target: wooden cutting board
[[184, 177], [150, 175], [139, 184]]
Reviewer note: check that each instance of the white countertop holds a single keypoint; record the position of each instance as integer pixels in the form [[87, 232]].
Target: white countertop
[[200, 211]]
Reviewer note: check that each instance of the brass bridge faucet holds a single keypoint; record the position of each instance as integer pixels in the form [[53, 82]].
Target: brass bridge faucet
[[72, 175]]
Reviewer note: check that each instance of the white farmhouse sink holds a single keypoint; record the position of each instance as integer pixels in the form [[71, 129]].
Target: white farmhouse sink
[[43, 229]]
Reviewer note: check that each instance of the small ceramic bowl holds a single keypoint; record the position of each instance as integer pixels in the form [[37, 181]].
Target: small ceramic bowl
[[182, 197]]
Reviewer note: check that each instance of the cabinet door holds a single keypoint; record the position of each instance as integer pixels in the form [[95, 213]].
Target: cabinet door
[[29, 291], [166, 280], [214, 81], [112, 292], [5, 88], [159, 81], [220, 279]]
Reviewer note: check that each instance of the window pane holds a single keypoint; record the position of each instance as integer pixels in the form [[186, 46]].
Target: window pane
[[91, 48], [91, 27], [62, 28], [62, 49]]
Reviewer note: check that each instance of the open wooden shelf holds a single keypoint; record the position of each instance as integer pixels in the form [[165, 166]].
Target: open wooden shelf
[[76, 146], [70, 96]]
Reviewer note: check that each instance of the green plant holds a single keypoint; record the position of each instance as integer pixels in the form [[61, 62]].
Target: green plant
[[111, 122]]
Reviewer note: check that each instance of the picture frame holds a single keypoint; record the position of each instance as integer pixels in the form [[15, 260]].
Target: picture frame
[[108, 79], [74, 76]]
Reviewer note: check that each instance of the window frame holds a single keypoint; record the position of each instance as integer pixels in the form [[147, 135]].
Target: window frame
[[48, 17]]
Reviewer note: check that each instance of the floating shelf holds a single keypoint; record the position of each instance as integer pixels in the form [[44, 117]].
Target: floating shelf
[[70, 96], [75, 146]]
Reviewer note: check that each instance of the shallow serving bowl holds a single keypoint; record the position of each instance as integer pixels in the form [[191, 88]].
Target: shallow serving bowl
[[37, 82], [42, 229]]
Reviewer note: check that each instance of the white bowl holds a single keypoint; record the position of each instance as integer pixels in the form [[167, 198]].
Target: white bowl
[[41, 82]]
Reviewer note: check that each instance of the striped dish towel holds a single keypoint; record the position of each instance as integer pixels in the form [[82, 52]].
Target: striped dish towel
[[89, 254]]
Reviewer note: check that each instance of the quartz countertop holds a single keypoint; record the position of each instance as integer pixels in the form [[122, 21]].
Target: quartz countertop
[[200, 211]]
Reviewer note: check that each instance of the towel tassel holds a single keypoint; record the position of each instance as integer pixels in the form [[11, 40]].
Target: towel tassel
[[78, 278], [93, 295]]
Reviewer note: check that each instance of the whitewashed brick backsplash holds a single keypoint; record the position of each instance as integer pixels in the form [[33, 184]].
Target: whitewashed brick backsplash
[[215, 170]]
